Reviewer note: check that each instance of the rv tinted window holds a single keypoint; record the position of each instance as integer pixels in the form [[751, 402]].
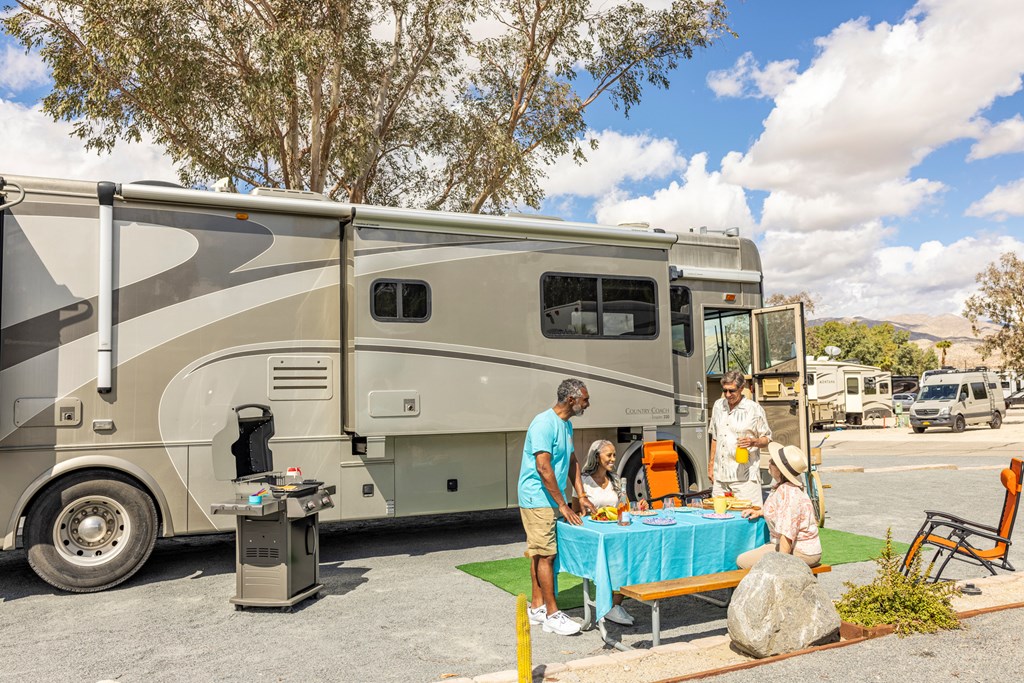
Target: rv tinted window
[[979, 390], [578, 306], [406, 301], [883, 388], [852, 385], [682, 320]]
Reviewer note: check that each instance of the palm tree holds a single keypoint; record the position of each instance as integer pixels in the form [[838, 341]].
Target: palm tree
[[944, 344]]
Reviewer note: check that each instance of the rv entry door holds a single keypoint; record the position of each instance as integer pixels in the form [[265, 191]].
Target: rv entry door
[[779, 372]]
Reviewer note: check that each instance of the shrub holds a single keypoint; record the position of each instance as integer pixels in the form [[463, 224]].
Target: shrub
[[909, 602]]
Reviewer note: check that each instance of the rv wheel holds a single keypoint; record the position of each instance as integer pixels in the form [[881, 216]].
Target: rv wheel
[[997, 420], [90, 531], [635, 478], [959, 424], [919, 430]]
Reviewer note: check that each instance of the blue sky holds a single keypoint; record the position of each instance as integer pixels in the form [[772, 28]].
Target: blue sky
[[872, 149]]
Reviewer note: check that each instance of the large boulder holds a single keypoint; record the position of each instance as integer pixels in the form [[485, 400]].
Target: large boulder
[[779, 607]]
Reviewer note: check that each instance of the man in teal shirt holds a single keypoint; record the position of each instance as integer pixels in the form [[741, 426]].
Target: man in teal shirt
[[548, 465]]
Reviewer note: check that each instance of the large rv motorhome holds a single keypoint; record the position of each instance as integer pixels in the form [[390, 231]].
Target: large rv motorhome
[[403, 354], [847, 392]]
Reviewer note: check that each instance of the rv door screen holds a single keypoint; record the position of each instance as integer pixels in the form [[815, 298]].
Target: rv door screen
[[779, 372]]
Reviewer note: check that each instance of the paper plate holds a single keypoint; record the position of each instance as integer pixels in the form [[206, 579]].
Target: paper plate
[[660, 521], [715, 515]]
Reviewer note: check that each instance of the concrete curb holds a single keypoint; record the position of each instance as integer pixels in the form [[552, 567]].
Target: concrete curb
[[579, 666], [843, 469]]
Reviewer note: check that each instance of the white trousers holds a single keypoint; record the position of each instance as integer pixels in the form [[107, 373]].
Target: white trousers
[[747, 490]]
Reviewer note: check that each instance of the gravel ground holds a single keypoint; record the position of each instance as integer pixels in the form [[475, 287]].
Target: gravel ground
[[398, 610]]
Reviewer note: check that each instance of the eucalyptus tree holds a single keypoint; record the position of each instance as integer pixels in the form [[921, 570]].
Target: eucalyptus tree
[[453, 104]]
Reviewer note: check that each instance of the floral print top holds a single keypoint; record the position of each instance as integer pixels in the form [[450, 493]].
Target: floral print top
[[790, 513]]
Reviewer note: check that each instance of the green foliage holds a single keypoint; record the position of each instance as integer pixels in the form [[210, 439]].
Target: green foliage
[[909, 603], [392, 102], [882, 346], [1000, 299]]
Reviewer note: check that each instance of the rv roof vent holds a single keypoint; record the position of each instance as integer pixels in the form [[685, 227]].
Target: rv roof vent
[[537, 216], [289, 194], [638, 224]]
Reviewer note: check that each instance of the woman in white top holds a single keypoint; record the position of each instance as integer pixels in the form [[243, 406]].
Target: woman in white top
[[602, 487]]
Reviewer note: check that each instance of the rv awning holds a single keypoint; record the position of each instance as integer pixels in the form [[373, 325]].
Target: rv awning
[[232, 200]]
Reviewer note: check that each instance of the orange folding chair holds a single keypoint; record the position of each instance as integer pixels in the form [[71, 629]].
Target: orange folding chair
[[961, 539], [661, 470]]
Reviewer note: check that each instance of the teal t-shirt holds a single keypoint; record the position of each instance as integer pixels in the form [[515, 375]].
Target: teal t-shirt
[[551, 434]]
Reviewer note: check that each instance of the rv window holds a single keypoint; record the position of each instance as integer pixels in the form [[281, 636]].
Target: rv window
[[778, 338], [883, 388], [682, 320], [869, 387], [979, 390], [938, 392], [406, 301], [726, 341], [579, 306], [852, 385]]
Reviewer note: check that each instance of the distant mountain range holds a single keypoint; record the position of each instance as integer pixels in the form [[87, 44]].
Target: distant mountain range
[[925, 330]]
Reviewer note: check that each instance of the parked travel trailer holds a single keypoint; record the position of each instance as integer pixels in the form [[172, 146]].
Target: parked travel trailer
[[403, 354], [847, 392], [957, 398]]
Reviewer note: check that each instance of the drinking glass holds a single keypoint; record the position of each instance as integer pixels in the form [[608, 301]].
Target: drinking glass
[[667, 505], [742, 454]]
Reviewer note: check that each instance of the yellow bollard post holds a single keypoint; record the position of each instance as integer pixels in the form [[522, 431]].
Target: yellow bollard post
[[524, 663]]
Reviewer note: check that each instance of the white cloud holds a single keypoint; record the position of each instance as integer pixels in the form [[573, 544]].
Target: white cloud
[[20, 70], [618, 158], [747, 79], [1004, 137], [1003, 201], [851, 276], [36, 145], [701, 199], [844, 136]]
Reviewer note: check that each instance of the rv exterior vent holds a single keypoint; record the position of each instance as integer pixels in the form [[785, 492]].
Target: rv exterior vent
[[289, 194], [300, 378]]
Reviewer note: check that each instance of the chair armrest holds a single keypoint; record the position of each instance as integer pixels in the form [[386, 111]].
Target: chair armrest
[[667, 495], [932, 514], [969, 529]]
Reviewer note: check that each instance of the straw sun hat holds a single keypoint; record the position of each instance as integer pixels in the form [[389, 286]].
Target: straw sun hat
[[790, 460]]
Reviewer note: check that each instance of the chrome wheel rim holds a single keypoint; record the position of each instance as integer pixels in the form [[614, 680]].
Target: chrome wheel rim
[[91, 531]]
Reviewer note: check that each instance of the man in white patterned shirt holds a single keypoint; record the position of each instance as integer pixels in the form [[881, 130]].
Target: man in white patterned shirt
[[737, 422]]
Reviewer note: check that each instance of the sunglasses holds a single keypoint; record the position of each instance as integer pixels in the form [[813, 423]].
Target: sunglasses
[[730, 391]]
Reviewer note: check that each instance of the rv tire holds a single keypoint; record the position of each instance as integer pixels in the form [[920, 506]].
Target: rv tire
[[634, 478], [90, 531], [959, 424], [919, 430], [997, 420]]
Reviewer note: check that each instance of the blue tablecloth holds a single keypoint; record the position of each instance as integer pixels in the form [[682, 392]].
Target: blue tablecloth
[[614, 556]]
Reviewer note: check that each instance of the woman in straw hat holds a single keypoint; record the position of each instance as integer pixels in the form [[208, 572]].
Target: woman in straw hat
[[788, 511]]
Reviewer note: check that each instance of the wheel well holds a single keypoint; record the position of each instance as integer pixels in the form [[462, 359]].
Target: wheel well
[[99, 473]]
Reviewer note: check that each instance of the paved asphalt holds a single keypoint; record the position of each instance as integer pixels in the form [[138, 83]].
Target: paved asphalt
[[398, 610]]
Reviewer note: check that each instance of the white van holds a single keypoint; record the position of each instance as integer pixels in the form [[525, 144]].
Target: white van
[[957, 398]]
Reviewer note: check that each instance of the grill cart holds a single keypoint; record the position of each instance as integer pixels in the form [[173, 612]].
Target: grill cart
[[277, 545]]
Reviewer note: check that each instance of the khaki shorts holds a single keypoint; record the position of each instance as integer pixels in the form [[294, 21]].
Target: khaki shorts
[[539, 524]]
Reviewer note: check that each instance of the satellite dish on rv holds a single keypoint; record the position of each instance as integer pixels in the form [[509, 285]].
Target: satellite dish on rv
[[833, 351]]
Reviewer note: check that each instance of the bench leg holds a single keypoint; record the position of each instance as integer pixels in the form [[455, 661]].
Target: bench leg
[[715, 601], [655, 624]]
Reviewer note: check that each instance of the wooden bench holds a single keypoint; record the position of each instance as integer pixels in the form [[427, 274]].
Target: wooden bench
[[652, 593]]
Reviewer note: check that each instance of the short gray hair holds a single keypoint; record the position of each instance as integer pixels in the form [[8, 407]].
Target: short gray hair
[[570, 388], [734, 377]]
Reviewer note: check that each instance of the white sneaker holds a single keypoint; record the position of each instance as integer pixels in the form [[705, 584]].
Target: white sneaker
[[561, 624], [537, 616], [619, 616]]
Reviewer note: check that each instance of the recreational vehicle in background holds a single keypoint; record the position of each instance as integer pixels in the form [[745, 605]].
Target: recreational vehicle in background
[[957, 398], [403, 354], [847, 392]]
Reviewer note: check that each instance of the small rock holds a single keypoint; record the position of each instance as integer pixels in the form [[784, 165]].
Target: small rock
[[779, 607]]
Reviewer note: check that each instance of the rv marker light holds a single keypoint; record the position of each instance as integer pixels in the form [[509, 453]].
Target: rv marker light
[[242, 216]]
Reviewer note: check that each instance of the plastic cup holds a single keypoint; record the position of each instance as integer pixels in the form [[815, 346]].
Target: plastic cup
[[721, 504], [742, 455]]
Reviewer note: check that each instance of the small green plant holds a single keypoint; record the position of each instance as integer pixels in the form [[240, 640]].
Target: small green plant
[[908, 602]]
